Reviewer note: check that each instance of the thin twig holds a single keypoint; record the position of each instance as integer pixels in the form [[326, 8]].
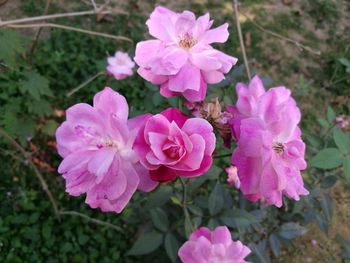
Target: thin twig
[[54, 16], [82, 85], [73, 29], [94, 220], [241, 42], [298, 44], [27, 156], [94, 5], [37, 35]]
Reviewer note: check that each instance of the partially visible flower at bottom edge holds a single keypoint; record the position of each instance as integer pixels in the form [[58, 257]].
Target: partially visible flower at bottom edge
[[205, 246]]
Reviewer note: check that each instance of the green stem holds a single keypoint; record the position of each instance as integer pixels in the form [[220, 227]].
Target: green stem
[[184, 203], [222, 156]]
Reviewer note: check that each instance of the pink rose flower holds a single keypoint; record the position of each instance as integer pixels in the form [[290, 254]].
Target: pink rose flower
[[96, 144], [232, 176], [170, 144], [120, 66], [270, 152], [181, 58], [205, 246]]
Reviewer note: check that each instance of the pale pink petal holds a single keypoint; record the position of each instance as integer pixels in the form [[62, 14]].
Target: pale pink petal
[[188, 78], [219, 35], [101, 161], [153, 78], [161, 23]]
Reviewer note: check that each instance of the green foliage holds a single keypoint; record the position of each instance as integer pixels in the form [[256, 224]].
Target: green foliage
[[146, 243], [11, 46]]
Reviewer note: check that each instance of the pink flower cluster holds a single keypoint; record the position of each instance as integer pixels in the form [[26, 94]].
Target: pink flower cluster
[[205, 246], [96, 144], [181, 59], [109, 157], [270, 152]]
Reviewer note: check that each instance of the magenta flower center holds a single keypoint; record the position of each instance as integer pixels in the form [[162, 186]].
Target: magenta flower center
[[278, 147], [187, 41]]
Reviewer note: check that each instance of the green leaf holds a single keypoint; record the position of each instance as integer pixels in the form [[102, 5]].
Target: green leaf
[[330, 114], [328, 181], [291, 230], [328, 158], [342, 141], [35, 85], [172, 246], [238, 218], [346, 167], [11, 44], [275, 244], [50, 127], [160, 219], [159, 197], [216, 199], [146, 243], [327, 207], [346, 63]]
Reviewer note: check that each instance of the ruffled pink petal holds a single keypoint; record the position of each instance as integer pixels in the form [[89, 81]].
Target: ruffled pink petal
[[75, 160], [149, 76], [161, 24], [166, 92], [173, 114], [109, 102], [195, 96], [100, 163], [147, 51], [188, 78], [219, 35], [221, 235], [213, 77], [146, 184]]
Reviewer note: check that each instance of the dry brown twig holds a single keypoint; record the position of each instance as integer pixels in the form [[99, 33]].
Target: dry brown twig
[[119, 38], [27, 156]]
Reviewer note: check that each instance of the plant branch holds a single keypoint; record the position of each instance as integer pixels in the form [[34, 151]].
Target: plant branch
[[94, 33], [298, 44], [240, 36], [54, 16], [27, 156], [93, 220], [82, 85]]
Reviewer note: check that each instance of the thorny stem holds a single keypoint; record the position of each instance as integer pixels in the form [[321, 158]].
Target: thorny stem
[[298, 44], [184, 204], [241, 42], [94, 220], [47, 17], [36, 171], [94, 33]]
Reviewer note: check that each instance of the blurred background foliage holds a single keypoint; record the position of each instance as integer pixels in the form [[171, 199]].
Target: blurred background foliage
[[35, 88]]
